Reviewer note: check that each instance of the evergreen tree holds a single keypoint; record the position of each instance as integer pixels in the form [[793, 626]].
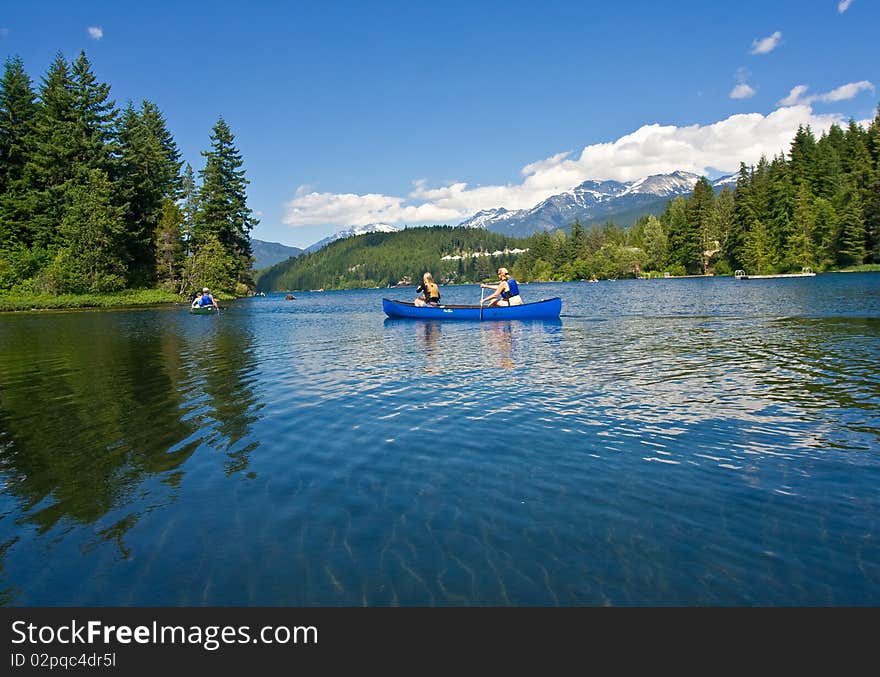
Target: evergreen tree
[[150, 175], [51, 157], [91, 259], [780, 208], [169, 245], [95, 123], [577, 241], [701, 222], [733, 246], [851, 226], [826, 231], [683, 237], [725, 222], [831, 147], [803, 246], [223, 209], [860, 169], [18, 110], [189, 207], [655, 244], [804, 157], [760, 250]]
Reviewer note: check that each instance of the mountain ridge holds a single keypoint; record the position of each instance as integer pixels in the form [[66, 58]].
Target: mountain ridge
[[592, 201]]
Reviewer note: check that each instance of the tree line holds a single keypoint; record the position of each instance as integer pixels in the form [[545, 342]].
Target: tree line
[[96, 199]]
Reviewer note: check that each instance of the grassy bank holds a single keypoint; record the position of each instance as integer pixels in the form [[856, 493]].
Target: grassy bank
[[866, 268], [120, 299]]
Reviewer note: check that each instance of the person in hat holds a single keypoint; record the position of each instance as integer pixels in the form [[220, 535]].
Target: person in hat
[[506, 292], [208, 300]]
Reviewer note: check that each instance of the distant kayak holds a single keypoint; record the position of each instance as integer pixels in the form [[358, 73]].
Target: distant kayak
[[207, 310], [547, 308]]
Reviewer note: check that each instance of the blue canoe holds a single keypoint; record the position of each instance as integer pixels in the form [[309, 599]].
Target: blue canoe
[[539, 310]]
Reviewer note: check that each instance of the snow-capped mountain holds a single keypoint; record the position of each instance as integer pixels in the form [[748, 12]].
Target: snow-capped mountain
[[351, 232], [589, 202]]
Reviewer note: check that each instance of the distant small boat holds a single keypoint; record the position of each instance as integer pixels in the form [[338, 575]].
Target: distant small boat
[[538, 310], [741, 275], [203, 310]]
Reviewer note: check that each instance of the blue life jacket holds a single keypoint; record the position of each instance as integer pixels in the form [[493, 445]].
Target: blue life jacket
[[206, 300], [513, 288]]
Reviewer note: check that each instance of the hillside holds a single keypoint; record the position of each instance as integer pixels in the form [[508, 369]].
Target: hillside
[[385, 259], [269, 253]]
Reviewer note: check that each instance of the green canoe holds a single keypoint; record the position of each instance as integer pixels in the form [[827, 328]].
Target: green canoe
[[207, 310]]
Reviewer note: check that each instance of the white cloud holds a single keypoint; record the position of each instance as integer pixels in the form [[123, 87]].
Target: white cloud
[[843, 5], [312, 208], [742, 91], [843, 93], [651, 149], [95, 32], [766, 45]]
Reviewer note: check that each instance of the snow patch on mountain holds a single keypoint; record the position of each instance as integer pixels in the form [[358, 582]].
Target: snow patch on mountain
[[351, 231], [592, 201]]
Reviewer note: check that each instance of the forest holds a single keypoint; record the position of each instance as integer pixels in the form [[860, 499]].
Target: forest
[[95, 199]]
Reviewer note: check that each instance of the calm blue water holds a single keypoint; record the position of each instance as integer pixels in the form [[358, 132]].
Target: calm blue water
[[666, 442]]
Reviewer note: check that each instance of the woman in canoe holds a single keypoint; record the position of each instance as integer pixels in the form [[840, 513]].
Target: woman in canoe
[[430, 292], [506, 291]]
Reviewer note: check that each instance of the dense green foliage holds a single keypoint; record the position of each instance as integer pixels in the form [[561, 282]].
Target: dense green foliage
[[817, 208], [92, 199]]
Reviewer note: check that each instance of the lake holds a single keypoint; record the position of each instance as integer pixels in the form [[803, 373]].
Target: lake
[[699, 442]]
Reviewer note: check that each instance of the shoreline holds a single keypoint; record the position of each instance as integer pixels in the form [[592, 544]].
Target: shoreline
[[145, 298]]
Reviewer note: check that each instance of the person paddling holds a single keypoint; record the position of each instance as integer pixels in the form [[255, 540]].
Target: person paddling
[[506, 291], [430, 292], [208, 300]]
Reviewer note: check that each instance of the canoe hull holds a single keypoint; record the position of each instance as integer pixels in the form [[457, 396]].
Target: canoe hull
[[539, 310], [209, 310]]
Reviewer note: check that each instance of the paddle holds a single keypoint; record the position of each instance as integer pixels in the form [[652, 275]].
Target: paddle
[[482, 291]]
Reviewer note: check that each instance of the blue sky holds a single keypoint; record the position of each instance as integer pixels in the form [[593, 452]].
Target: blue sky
[[415, 113]]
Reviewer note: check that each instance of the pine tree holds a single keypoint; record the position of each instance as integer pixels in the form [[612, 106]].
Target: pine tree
[[93, 228], [189, 207], [51, 157], [655, 244], [759, 251], [95, 122], [150, 168], [733, 246], [725, 222], [860, 169], [684, 248], [169, 246], [577, 241], [851, 226], [781, 206], [18, 110], [826, 231], [701, 222], [804, 155], [803, 248], [831, 147], [223, 209]]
